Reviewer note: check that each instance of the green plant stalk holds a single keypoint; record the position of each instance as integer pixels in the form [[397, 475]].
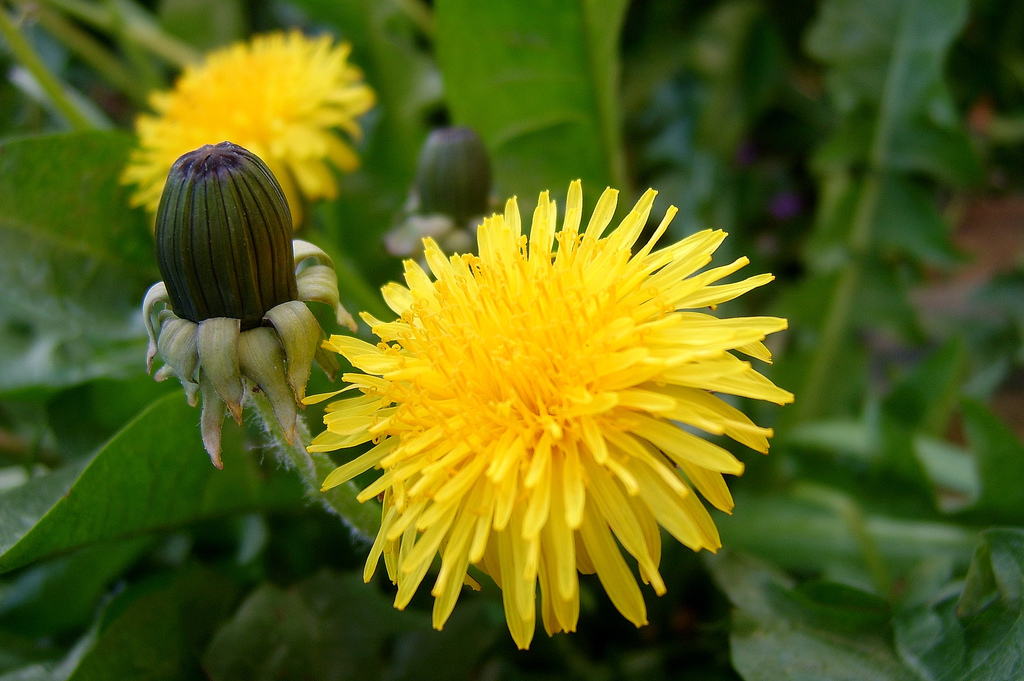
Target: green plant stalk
[[93, 53], [144, 68], [314, 467], [67, 108], [420, 15], [841, 305], [607, 95], [850, 512], [840, 309], [144, 33]]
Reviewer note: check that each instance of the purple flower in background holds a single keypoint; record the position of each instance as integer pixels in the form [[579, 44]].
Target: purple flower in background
[[785, 205], [746, 154]]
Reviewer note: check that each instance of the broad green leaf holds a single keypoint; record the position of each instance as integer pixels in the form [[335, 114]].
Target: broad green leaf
[[331, 626], [539, 82], [273, 635], [817, 632], [854, 438], [75, 262], [155, 629], [453, 653], [1000, 459], [976, 634], [1004, 292], [920, 405], [907, 223], [61, 595], [20, 657], [884, 72], [924, 401], [152, 475], [101, 407], [887, 57], [878, 302], [800, 533]]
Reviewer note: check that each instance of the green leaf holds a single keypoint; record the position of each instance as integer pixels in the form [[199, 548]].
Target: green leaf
[[909, 223], [153, 475], [925, 399], [331, 626], [539, 82], [61, 595], [921, 405], [453, 653], [817, 632], [1000, 458], [156, 629], [19, 655], [884, 71], [803, 534], [75, 262], [739, 53], [101, 408], [980, 635], [888, 56], [854, 438], [205, 25], [273, 635]]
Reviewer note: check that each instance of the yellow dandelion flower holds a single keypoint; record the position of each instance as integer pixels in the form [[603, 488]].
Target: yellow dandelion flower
[[526, 408], [283, 96]]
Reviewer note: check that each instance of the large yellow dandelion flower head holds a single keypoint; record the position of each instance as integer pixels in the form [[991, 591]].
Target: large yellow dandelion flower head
[[284, 96], [527, 405]]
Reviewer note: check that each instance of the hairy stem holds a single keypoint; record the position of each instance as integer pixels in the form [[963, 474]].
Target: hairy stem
[[314, 467]]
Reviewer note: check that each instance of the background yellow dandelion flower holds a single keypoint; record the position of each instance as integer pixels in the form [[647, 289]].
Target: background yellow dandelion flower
[[526, 406], [283, 96]]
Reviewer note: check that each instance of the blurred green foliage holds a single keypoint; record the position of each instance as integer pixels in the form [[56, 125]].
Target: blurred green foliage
[[852, 147]]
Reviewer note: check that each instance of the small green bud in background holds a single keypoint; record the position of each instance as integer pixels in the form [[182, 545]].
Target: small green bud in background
[[450, 196], [234, 316], [453, 174]]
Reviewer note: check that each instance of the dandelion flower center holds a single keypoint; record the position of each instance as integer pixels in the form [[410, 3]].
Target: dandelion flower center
[[526, 404]]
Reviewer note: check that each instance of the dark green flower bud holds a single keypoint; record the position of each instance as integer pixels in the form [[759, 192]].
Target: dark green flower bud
[[453, 175], [224, 237]]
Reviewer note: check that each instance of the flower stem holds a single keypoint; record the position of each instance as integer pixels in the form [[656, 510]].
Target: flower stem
[[840, 307], [93, 52], [314, 467], [849, 511], [21, 48], [137, 26]]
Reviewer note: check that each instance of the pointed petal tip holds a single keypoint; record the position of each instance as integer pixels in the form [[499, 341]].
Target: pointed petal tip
[[289, 433]]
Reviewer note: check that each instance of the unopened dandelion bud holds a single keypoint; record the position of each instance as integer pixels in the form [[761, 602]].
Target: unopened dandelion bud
[[453, 175], [235, 317], [223, 237]]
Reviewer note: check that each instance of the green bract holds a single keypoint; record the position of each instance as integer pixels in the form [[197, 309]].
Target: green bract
[[234, 315]]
